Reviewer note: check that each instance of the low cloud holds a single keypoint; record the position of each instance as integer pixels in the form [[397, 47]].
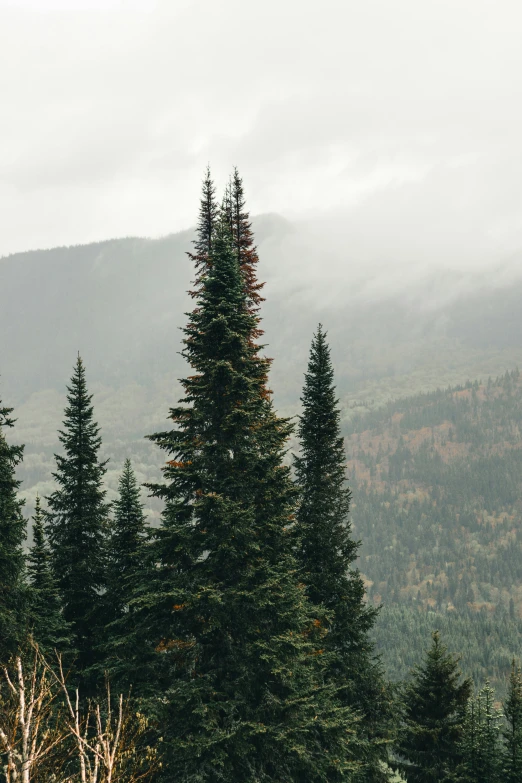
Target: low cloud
[[398, 124]]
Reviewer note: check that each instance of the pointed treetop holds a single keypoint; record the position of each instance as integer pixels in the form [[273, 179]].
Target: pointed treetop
[[243, 239], [208, 215], [38, 561], [77, 518]]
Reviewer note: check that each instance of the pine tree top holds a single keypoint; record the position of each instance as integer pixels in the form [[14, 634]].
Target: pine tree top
[[437, 690], [128, 526], [324, 531], [243, 241], [39, 557], [80, 435], [77, 518], [208, 216]]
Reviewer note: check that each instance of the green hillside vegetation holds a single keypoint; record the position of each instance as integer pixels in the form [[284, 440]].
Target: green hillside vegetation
[[437, 485]]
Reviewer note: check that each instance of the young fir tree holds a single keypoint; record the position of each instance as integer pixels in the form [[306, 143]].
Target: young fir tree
[[327, 551], [513, 731], [48, 626], [434, 714], [125, 545], [12, 536], [481, 741], [77, 520], [238, 661]]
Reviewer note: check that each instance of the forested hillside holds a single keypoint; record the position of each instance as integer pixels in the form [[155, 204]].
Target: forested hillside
[[236, 607], [437, 487]]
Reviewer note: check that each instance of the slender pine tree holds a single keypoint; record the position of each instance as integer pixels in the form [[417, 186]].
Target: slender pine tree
[[513, 731], [327, 552], [481, 748], [125, 545], [238, 661], [77, 520], [47, 623], [12, 535], [434, 718]]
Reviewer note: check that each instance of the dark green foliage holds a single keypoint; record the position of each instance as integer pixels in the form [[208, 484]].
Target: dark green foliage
[[434, 711], [481, 741], [238, 663], [327, 551], [47, 624], [12, 536], [77, 520], [125, 544], [513, 731]]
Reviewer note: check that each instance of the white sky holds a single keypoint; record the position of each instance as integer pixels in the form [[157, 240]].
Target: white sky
[[401, 117]]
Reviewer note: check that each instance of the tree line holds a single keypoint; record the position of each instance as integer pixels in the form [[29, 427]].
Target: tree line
[[236, 633]]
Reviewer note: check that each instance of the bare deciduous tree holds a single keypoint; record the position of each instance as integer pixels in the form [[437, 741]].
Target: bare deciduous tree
[[108, 741], [30, 729], [45, 735]]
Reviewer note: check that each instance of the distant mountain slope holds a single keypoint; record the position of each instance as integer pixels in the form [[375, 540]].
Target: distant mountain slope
[[393, 330], [437, 485]]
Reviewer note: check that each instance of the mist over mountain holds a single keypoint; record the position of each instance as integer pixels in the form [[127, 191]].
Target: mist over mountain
[[121, 302], [394, 328]]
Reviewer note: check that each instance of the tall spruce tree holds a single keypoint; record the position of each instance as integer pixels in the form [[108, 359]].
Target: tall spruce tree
[[434, 717], [238, 650], [327, 552], [77, 520], [513, 731], [125, 547], [481, 748], [12, 535], [47, 623]]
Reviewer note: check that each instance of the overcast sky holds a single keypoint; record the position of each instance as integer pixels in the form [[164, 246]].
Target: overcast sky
[[403, 118]]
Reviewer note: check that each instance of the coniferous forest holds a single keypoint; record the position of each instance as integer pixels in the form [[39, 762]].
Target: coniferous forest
[[252, 634]]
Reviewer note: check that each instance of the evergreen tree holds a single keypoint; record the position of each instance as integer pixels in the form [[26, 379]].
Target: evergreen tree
[[327, 551], [125, 543], [434, 713], [238, 661], [12, 536], [243, 241], [513, 731], [208, 216], [77, 520], [480, 747], [47, 623]]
